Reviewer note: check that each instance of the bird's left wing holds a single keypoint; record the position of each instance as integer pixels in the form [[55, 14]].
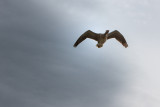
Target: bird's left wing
[[118, 36], [87, 34]]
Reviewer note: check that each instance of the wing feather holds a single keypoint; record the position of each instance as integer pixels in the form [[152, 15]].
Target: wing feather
[[118, 36], [87, 34]]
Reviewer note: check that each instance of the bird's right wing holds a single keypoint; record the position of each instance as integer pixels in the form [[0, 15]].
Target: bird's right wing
[[87, 34], [118, 36]]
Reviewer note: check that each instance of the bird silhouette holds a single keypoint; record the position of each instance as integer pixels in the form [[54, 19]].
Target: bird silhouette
[[101, 38]]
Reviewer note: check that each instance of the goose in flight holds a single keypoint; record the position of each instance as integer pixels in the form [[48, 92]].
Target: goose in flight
[[101, 38]]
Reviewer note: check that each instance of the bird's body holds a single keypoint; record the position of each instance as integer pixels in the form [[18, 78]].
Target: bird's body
[[101, 38]]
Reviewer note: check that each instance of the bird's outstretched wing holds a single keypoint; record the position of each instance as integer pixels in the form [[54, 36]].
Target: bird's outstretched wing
[[117, 35], [87, 34]]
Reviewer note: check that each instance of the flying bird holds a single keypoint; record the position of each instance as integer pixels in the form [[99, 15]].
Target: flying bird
[[101, 38]]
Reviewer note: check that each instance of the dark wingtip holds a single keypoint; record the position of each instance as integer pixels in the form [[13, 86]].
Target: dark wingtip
[[125, 45], [74, 46]]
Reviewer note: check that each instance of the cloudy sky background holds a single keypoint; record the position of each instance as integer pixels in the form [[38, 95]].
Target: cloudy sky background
[[40, 68]]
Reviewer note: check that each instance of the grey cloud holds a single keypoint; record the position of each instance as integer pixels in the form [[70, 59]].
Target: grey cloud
[[39, 67]]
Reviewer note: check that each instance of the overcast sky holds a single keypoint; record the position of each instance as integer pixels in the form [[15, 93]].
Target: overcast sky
[[40, 68]]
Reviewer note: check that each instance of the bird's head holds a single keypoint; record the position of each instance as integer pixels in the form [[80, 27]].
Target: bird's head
[[105, 34], [107, 31]]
